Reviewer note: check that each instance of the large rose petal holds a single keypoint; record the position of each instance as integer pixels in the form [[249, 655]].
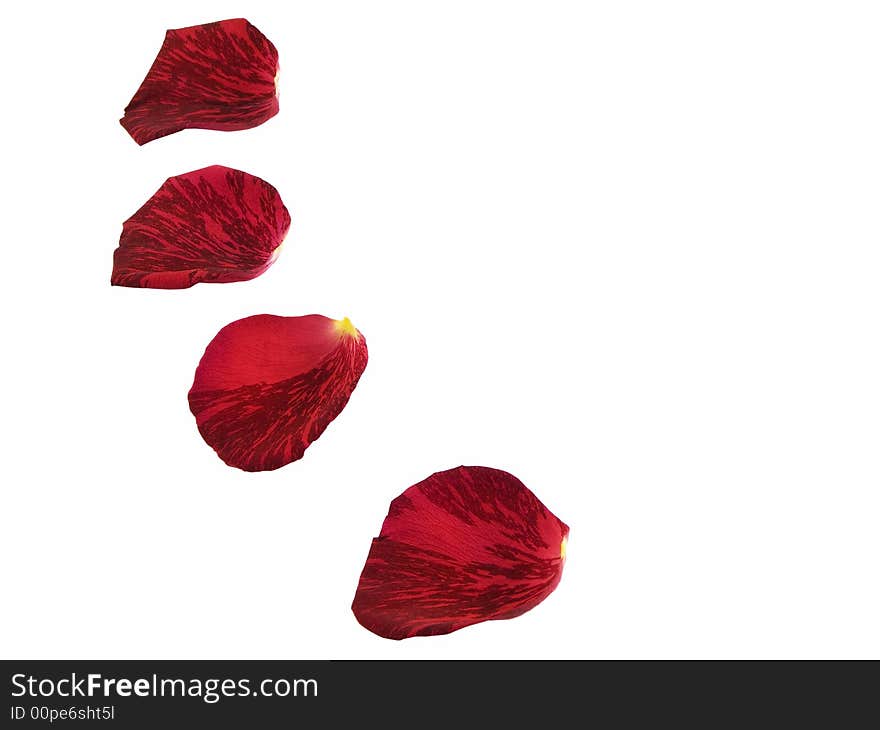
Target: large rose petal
[[214, 76], [268, 386], [463, 546], [213, 225]]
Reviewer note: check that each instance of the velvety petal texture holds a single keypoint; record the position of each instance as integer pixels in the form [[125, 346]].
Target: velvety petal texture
[[211, 225], [215, 76], [268, 386], [463, 546]]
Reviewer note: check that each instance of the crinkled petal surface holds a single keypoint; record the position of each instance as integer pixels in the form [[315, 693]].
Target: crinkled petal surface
[[211, 225], [268, 386], [463, 546], [215, 76]]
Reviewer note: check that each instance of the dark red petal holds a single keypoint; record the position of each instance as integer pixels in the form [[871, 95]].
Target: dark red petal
[[214, 76], [213, 225], [268, 386], [466, 545]]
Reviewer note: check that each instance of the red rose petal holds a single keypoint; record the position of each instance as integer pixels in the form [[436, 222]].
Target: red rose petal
[[213, 225], [268, 386], [213, 76], [463, 546]]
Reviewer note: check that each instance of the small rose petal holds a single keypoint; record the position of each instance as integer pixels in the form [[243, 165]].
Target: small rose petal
[[463, 546], [268, 386], [212, 225], [215, 76]]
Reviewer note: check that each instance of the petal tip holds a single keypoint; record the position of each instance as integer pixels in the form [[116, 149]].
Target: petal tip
[[345, 327]]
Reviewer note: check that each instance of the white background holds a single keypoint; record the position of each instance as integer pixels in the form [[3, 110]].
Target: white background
[[627, 251]]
